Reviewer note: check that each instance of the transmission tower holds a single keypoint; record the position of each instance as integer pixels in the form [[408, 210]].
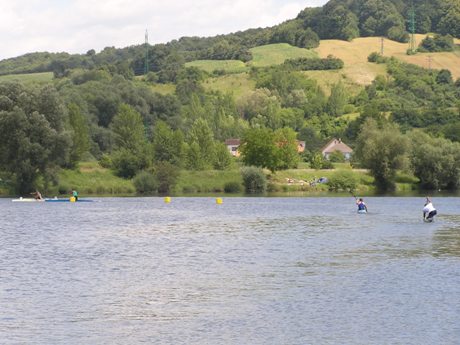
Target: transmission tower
[[146, 64]]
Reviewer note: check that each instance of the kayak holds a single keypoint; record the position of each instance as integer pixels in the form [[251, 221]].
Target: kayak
[[49, 200], [67, 200], [27, 200]]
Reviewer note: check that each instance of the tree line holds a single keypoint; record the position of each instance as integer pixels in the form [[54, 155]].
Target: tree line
[[335, 20], [103, 113]]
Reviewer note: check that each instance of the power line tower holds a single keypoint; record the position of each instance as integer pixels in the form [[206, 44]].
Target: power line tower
[[412, 28], [146, 63]]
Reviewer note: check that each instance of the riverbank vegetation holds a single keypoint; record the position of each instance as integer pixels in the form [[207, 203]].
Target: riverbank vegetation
[[101, 127]]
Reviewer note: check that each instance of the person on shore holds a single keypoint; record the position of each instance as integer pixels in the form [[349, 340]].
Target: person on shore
[[37, 195], [75, 194], [361, 205], [429, 211]]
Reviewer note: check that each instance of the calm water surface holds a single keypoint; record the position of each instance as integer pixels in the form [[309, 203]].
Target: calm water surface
[[250, 271]]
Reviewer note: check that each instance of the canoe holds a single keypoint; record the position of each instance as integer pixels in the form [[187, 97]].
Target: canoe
[[48, 200], [67, 200], [27, 200]]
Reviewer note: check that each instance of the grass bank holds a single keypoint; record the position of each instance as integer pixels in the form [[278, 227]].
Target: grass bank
[[91, 179]]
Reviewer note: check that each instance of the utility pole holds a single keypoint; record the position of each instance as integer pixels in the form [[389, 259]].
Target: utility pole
[[146, 65], [412, 28]]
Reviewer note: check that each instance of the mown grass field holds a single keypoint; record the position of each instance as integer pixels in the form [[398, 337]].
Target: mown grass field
[[236, 84], [276, 54], [355, 53], [229, 66], [327, 79], [30, 77], [164, 89]]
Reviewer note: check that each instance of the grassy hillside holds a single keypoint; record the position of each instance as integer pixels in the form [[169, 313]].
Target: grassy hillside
[[229, 66], [268, 55], [32, 77], [164, 89], [275, 54], [355, 53], [236, 84], [326, 79]]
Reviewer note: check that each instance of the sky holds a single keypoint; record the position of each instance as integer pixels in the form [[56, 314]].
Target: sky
[[76, 26]]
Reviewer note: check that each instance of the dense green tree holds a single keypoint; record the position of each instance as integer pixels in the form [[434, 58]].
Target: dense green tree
[[202, 134], [166, 175], [265, 148], [382, 150], [223, 158], [337, 100], [254, 180], [258, 148], [167, 144], [193, 157], [450, 21], [435, 161], [132, 151], [80, 134], [286, 142], [30, 148]]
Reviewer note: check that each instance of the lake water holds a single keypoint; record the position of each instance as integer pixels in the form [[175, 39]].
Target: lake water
[[249, 271]]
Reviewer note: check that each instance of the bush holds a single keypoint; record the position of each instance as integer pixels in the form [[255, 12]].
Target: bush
[[342, 181], [64, 189], [337, 157], [105, 161], [189, 189], [377, 58], [254, 180], [233, 187], [145, 182], [166, 176]]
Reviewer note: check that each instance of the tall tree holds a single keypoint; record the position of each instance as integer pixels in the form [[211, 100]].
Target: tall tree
[[382, 150], [30, 148], [132, 152], [80, 133]]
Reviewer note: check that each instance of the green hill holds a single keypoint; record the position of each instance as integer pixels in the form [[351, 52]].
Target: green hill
[[276, 54], [28, 77], [336, 20]]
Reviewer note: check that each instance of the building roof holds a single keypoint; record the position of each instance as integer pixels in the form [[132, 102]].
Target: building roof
[[232, 142], [336, 145]]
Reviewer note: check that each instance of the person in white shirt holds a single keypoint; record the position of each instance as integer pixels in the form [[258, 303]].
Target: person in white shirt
[[429, 211]]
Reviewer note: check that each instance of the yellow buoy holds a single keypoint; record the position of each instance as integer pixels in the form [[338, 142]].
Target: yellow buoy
[[219, 201], [167, 199], [72, 199]]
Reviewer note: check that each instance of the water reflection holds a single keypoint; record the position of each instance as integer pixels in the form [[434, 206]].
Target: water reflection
[[446, 241]]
